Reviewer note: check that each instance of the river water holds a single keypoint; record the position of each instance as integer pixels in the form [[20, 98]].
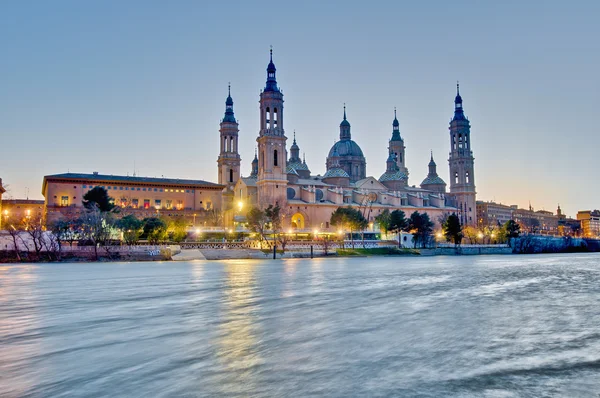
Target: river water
[[481, 326]]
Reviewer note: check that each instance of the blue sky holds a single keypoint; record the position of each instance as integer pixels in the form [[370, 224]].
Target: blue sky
[[97, 86]]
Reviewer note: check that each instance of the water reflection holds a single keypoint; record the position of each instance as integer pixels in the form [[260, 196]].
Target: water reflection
[[238, 350], [19, 322]]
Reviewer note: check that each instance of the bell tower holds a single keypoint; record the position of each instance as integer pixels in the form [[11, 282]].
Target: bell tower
[[461, 163], [397, 146], [272, 155], [229, 159]]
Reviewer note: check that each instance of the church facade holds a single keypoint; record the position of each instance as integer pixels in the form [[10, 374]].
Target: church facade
[[307, 201]]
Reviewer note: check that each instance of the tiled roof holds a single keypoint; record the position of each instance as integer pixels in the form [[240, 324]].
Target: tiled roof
[[395, 176], [336, 172], [128, 179], [433, 180]]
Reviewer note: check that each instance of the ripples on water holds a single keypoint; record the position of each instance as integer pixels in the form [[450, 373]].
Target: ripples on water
[[497, 326]]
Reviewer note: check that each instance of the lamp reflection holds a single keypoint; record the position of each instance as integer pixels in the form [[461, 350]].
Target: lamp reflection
[[237, 338]]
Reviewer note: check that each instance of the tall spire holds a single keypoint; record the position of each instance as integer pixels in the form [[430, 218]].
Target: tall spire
[[294, 151], [458, 106], [345, 127], [271, 80], [396, 128], [229, 116]]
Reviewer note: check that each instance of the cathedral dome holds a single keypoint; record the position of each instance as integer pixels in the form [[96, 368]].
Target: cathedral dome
[[345, 148]]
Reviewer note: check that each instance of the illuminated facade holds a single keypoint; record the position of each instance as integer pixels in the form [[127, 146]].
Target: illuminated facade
[[142, 196], [307, 201], [17, 210], [590, 222]]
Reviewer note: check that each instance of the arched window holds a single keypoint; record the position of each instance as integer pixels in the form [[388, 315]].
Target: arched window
[[456, 177], [268, 116], [230, 175], [275, 117], [460, 141], [467, 177], [275, 157]]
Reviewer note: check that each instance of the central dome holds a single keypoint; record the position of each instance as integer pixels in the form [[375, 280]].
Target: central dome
[[345, 148]]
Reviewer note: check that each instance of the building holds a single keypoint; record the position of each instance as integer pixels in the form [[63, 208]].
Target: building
[[16, 210], [307, 201], [142, 196], [490, 214], [462, 164], [590, 223], [536, 222]]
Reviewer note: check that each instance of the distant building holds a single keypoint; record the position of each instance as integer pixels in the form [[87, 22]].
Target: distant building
[[19, 209], [590, 222], [490, 214], [142, 196], [536, 222]]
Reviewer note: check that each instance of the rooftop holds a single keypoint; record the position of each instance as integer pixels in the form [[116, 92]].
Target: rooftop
[[95, 177]]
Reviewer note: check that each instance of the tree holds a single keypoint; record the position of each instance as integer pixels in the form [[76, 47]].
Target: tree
[[214, 217], [98, 197], [131, 227], [14, 230], [34, 227], [453, 229], [512, 230], [257, 222], [97, 228], [384, 220], [398, 223], [155, 230], [348, 217], [470, 233], [177, 229], [422, 228]]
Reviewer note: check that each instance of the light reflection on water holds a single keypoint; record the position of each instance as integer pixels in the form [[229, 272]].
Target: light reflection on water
[[445, 326]]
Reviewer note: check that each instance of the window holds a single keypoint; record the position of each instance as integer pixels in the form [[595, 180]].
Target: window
[[134, 203], [138, 189], [275, 157], [64, 200], [85, 186], [157, 203], [155, 189], [143, 189], [230, 175], [467, 177], [456, 177], [146, 203], [169, 204], [208, 205], [120, 188], [179, 204]]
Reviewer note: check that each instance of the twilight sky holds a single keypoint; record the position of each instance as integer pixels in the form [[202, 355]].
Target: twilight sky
[[99, 86]]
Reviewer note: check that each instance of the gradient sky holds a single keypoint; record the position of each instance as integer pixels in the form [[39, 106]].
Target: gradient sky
[[99, 86]]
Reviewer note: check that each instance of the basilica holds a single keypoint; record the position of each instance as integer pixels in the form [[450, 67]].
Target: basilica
[[307, 200]]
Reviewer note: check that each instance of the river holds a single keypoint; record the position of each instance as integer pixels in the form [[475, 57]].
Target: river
[[480, 326]]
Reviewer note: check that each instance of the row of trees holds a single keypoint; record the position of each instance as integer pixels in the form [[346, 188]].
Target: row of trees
[[418, 224], [455, 233], [99, 226], [268, 222]]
